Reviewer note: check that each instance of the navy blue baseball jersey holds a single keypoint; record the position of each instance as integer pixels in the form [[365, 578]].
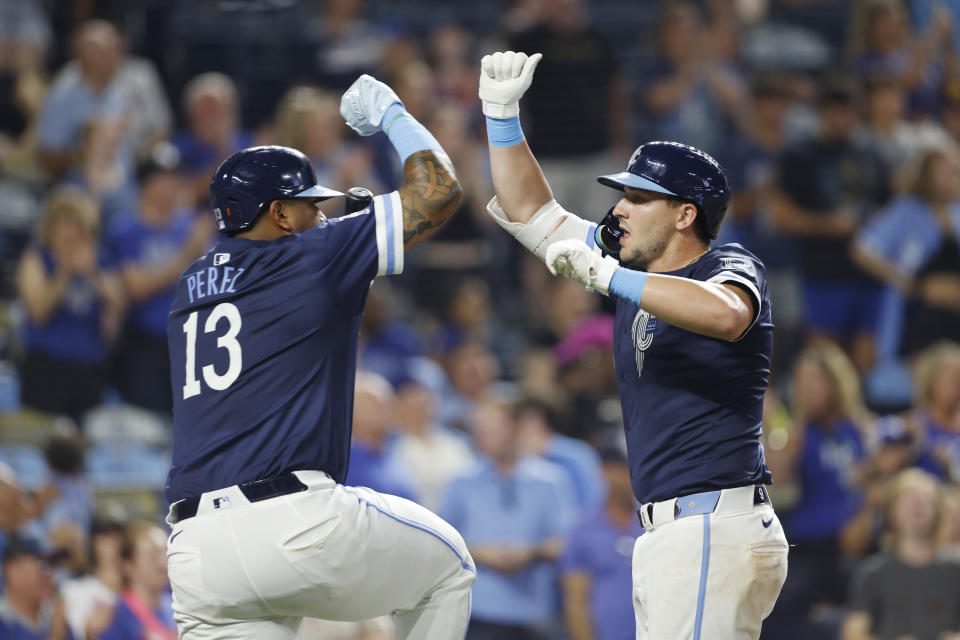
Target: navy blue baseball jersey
[[692, 404], [263, 345]]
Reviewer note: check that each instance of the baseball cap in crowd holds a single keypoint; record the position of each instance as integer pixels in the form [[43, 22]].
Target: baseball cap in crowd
[[403, 376], [417, 371], [162, 158], [107, 522], [18, 546], [892, 430]]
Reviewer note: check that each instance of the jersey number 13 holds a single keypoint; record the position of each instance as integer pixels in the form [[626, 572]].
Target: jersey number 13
[[218, 382]]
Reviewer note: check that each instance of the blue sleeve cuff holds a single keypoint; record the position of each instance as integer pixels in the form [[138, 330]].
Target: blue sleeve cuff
[[628, 284], [406, 134], [504, 133]]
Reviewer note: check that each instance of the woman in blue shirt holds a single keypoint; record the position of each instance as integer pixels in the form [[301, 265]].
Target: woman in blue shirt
[[826, 459], [73, 305]]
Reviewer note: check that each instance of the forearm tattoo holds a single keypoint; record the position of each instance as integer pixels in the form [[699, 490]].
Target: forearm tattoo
[[431, 194]]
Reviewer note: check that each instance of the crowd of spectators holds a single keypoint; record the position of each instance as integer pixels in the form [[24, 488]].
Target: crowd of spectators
[[486, 388]]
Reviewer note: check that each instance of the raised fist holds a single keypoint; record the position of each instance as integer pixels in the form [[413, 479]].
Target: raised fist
[[504, 77], [364, 104]]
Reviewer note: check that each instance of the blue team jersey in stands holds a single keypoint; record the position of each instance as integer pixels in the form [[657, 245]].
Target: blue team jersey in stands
[[692, 404], [135, 242], [74, 331], [263, 349]]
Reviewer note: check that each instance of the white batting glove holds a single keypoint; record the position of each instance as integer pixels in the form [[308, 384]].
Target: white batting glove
[[504, 77], [575, 260], [364, 104]]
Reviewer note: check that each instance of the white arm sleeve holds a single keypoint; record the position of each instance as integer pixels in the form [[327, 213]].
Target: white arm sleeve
[[551, 223]]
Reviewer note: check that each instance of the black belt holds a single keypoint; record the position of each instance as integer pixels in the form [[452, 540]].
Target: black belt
[[254, 491]]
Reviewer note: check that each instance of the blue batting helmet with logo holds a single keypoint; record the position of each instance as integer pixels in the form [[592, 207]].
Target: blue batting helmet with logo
[[681, 171], [250, 179]]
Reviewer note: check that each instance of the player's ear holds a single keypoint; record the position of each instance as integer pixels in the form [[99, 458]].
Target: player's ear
[[686, 215], [279, 216]]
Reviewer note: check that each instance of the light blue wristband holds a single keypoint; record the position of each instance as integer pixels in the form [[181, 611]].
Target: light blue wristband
[[504, 132], [628, 284], [406, 134]]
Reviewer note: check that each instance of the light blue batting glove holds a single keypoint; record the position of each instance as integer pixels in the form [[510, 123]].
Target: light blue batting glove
[[364, 104]]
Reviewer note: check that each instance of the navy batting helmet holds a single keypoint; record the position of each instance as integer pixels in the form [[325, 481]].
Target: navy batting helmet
[[250, 179], [681, 171]]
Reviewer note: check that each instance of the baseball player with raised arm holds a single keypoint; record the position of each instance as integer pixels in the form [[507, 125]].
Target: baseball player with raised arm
[[692, 345], [263, 347]]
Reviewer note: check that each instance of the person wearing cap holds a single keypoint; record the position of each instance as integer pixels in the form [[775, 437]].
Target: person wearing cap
[[826, 186], [692, 343], [30, 608], [151, 249]]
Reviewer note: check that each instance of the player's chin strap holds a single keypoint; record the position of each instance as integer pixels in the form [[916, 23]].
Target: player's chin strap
[[551, 223]]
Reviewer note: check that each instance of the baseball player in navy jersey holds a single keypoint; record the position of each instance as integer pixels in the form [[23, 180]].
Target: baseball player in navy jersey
[[263, 345], [692, 344]]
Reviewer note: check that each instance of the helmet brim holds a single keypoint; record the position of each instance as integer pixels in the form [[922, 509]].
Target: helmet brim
[[627, 179], [318, 192]]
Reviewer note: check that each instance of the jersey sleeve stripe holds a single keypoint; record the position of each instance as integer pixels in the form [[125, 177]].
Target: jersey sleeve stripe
[[379, 213], [391, 248], [395, 234], [590, 236], [729, 276], [389, 221]]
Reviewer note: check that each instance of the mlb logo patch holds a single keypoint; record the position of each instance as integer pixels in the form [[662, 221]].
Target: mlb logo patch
[[221, 503], [220, 258]]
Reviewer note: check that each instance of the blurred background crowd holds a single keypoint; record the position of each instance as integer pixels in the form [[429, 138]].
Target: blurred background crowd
[[486, 388]]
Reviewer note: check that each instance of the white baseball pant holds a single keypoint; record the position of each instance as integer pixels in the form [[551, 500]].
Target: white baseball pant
[[253, 570], [710, 576]]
